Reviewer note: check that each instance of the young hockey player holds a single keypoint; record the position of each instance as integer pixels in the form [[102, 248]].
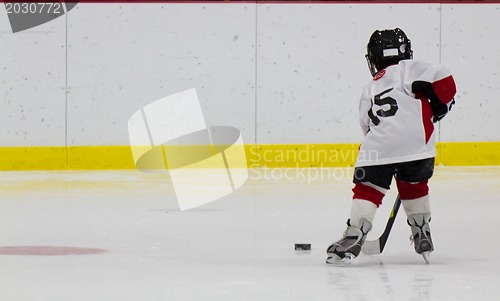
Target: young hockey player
[[398, 109]]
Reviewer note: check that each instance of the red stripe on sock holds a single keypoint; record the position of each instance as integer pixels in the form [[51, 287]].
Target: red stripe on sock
[[367, 193], [410, 191]]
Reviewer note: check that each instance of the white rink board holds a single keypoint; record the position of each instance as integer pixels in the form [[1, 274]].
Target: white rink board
[[280, 73], [32, 84], [311, 65], [471, 47], [133, 55]]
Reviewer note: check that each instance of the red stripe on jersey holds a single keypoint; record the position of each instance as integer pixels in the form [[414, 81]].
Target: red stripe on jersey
[[367, 193], [427, 119], [445, 89], [411, 191]]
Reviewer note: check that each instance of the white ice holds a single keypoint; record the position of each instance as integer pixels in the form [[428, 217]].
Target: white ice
[[240, 247]]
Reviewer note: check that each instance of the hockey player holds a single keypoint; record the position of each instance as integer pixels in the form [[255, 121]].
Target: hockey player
[[398, 109]]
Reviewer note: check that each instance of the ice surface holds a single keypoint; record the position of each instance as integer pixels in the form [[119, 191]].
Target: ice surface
[[240, 247]]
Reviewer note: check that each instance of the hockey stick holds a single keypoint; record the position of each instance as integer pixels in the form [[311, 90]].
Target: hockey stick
[[373, 247]]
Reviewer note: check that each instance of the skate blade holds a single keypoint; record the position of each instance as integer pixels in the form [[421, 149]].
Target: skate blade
[[425, 255], [335, 260]]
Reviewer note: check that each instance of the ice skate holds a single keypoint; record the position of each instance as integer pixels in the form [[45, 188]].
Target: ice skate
[[349, 246], [421, 234]]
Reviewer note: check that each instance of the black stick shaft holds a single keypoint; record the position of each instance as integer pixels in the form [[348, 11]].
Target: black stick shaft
[[385, 235]]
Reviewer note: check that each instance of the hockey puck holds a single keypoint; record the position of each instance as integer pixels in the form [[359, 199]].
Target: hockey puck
[[302, 247]]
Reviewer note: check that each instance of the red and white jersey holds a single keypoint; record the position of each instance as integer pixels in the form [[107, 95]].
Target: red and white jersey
[[397, 109]]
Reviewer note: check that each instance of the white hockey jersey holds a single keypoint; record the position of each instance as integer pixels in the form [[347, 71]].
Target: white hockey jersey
[[397, 109]]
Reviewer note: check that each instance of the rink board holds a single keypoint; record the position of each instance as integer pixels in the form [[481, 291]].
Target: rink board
[[270, 155]]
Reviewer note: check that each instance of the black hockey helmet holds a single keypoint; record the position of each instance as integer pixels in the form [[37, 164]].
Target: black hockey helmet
[[387, 47]]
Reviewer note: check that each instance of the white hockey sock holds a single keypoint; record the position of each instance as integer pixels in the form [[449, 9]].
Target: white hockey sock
[[362, 209], [418, 205]]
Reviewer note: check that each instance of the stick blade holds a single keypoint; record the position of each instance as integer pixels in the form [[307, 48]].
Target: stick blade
[[371, 247]]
